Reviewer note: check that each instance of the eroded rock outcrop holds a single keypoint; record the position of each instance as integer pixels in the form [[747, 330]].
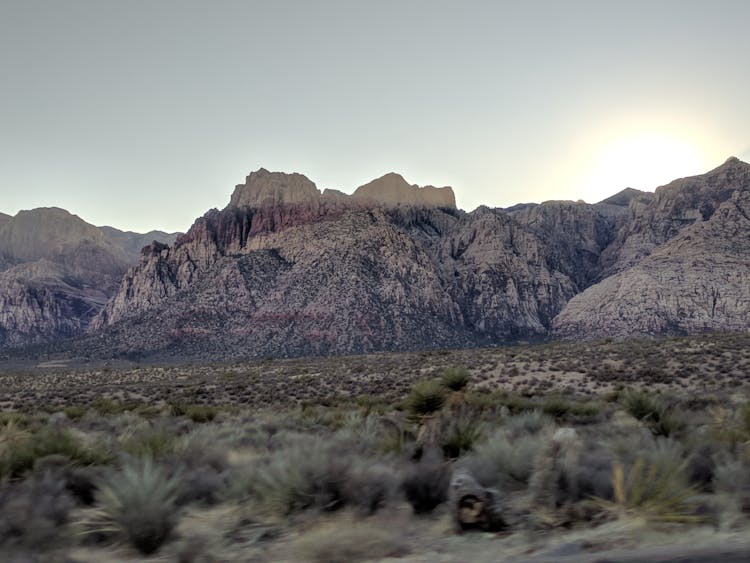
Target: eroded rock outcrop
[[333, 274], [696, 281], [57, 273]]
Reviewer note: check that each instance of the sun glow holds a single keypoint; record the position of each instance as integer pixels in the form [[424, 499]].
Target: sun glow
[[643, 162]]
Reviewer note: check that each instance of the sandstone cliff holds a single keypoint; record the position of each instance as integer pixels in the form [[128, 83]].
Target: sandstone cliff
[[655, 218], [697, 280], [286, 270], [310, 273], [392, 189], [57, 273]]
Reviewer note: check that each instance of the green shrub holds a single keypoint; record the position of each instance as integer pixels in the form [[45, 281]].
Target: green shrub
[[455, 379], [426, 397], [17, 419], [201, 413], [151, 441], [660, 418], [461, 435], [20, 452], [74, 412], [139, 502], [641, 405], [106, 406]]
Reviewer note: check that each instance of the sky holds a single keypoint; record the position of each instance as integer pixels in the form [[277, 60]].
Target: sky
[[145, 114]]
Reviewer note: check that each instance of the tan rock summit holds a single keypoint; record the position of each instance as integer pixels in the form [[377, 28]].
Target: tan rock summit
[[392, 189], [264, 188]]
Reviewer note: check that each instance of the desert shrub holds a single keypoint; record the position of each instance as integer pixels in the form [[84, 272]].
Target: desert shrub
[[461, 434], [149, 441], [20, 452], [425, 483], [655, 485], [17, 419], [426, 397], [203, 469], [138, 501], [662, 419], [33, 512], [701, 467], [201, 413], [640, 404], [556, 407], [455, 379], [528, 422], [79, 481], [732, 478], [553, 478], [74, 412], [105, 406], [504, 462], [312, 474], [593, 474]]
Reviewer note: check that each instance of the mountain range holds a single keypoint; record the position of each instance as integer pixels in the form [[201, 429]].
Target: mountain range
[[286, 270], [57, 272]]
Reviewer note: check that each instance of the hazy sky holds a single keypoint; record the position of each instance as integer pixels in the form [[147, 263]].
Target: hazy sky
[[145, 113]]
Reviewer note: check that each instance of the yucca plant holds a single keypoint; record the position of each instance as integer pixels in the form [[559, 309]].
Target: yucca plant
[[426, 398], [455, 379], [138, 503], [657, 490]]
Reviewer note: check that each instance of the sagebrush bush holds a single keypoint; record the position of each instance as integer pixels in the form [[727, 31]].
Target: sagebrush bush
[[426, 483], [528, 423], [310, 473], [139, 501], [33, 513], [149, 441], [504, 462]]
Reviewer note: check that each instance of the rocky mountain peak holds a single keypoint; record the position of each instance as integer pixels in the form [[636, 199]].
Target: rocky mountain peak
[[271, 188], [44, 232], [393, 189], [624, 197]]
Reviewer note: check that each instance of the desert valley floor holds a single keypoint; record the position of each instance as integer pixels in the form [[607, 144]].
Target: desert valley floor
[[595, 451]]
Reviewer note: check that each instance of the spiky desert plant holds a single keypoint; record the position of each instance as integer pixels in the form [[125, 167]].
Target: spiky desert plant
[[462, 433], [426, 398], [656, 488], [455, 379], [641, 405], [138, 502]]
